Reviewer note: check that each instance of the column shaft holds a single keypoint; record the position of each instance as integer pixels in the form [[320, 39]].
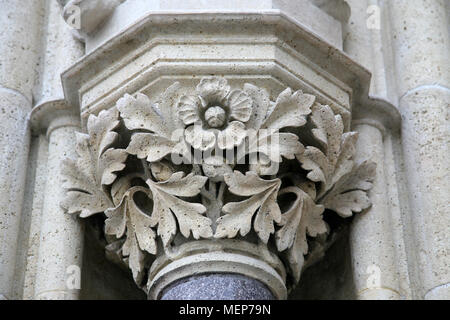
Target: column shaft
[[218, 287], [14, 140], [60, 251], [372, 245], [61, 236], [19, 46], [421, 44]]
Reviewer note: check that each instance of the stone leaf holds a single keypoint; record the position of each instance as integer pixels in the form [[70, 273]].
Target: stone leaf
[[238, 215], [300, 181], [290, 110], [335, 157], [127, 216], [161, 170], [277, 145], [107, 161], [87, 201], [150, 146], [139, 114], [101, 138], [167, 203], [349, 195], [261, 105], [122, 185], [134, 257], [167, 105], [303, 218], [97, 165]]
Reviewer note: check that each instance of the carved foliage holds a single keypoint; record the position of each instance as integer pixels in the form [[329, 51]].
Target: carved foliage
[[263, 200], [303, 218], [95, 167], [163, 199], [167, 203]]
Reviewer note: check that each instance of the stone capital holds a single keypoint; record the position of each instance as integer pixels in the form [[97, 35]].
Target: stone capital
[[215, 141]]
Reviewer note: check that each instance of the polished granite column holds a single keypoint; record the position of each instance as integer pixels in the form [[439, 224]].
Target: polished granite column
[[224, 286]]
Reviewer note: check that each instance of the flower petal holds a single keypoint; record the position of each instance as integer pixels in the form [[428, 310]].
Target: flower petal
[[232, 136], [200, 138], [241, 105], [213, 89], [187, 109]]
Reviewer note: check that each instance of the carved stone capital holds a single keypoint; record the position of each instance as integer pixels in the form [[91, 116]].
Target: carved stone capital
[[216, 179]]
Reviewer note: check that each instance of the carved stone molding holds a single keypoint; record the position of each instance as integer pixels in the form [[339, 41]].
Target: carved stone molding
[[217, 179]]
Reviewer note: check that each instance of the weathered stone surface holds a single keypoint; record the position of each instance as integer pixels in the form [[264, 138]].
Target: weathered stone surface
[[426, 148], [14, 141], [61, 240], [303, 12], [421, 41], [20, 44]]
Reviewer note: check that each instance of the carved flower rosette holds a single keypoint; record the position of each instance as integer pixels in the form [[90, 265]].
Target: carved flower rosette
[[213, 164]]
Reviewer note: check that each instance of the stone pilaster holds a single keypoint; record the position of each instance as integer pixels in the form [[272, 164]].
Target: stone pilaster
[[378, 256], [19, 47], [421, 45], [60, 248], [371, 237], [61, 236]]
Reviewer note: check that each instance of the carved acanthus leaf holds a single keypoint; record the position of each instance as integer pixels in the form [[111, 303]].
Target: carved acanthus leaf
[[96, 166], [302, 218], [238, 215], [150, 146], [261, 105], [139, 114], [335, 157], [349, 195], [278, 145], [127, 216], [189, 215], [289, 110]]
